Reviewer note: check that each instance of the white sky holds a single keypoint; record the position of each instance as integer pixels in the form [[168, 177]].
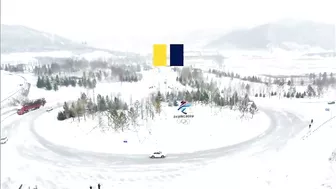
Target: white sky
[[96, 19]]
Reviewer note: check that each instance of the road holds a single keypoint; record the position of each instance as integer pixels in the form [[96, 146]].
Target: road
[[284, 125], [81, 165]]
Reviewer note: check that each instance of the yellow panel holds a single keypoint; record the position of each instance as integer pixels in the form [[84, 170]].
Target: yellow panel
[[160, 55]]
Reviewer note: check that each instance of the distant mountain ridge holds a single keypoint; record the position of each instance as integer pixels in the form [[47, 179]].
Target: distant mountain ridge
[[17, 38], [286, 34]]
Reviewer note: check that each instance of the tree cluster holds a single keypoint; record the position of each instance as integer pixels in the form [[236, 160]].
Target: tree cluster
[[13, 68], [114, 109], [220, 74], [125, 73], [53, 83]]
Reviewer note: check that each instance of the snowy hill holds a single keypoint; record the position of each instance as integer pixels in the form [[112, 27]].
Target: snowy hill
[[284, 34], [15, 38], [18, 39]]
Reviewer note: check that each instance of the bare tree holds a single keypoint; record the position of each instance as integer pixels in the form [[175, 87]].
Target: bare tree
[[133, 115], [79, 109], [142, 109], [244, 105], [101, 122]]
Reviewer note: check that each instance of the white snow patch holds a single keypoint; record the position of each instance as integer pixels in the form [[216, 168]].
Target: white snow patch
[[205, 131]]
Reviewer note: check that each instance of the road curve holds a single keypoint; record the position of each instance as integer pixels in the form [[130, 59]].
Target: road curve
[[284, 126]]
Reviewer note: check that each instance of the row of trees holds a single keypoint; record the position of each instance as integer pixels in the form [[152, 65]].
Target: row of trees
[[114, 72], [13, 68], [120, 115], [310, 92], [220, 74], [53, 83]]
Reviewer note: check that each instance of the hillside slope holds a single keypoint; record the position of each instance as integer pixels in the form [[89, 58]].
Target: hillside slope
[[285, 34]]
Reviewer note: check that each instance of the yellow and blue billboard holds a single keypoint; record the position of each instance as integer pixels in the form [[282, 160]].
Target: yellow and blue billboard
[[176, 57]]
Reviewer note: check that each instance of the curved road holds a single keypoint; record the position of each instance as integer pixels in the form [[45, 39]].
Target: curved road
[[35, 148], [284, 125]]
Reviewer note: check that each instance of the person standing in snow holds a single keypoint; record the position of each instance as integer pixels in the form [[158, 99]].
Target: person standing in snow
[[309, 126], [311, 121]]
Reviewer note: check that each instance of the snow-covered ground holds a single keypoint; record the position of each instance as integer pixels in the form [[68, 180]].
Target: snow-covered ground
[[209, 129], [10, 84], [142, 142], [278, 66], [302, 164]]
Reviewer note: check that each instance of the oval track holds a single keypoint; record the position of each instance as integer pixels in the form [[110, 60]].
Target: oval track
[[61, 162], [284, 126]]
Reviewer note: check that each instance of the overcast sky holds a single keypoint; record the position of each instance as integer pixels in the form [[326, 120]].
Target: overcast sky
[[96, 19]]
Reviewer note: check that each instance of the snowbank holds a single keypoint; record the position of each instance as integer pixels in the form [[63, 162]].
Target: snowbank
[[207, 130], [10, 84]]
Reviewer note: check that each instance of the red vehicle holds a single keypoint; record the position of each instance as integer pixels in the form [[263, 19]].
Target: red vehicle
[[33, 105]]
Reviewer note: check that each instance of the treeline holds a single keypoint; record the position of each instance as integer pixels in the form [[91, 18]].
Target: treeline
[[291, 93], [194, 77], [53, 83], [13, 68], [218, 73], [113, 72], [120, 115]]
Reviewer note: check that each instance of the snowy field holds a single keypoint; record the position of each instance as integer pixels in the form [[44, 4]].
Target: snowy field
[[299, 164], [278, 66], [10, 84], [209, 129], [302, 164]]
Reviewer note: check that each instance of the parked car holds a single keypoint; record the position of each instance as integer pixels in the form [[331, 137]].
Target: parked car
[[158, 154]]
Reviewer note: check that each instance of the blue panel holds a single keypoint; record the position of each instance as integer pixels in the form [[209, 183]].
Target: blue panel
[[176, 55]]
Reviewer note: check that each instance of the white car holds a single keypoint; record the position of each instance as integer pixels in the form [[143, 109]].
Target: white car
[[49, 109], [158, 154]]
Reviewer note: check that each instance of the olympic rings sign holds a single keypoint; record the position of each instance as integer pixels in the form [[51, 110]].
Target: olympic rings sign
[[183, 121]]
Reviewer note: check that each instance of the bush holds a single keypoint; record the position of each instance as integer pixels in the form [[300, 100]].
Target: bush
[[61, 116]]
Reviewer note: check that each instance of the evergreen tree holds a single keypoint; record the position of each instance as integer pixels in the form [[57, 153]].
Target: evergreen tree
[[61, 116], [73, 82], [102, 105], [39, 82], [55, 87], [66, 82], [66, 109], [80, 83], [48, 84]]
